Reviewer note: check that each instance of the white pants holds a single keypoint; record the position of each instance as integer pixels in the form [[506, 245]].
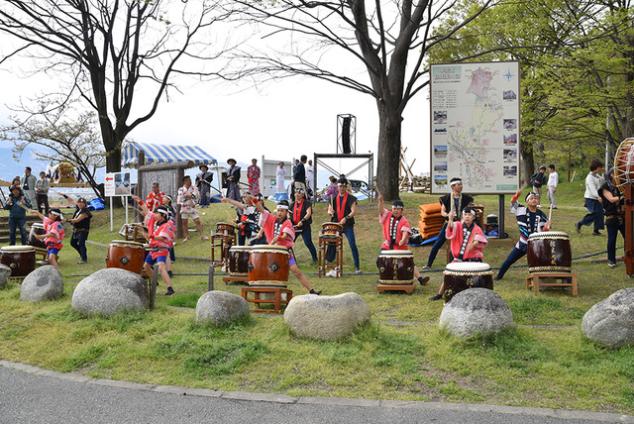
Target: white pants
[[551, 195]]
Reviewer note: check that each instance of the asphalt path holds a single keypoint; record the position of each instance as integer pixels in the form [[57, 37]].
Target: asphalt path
[[35, 397]]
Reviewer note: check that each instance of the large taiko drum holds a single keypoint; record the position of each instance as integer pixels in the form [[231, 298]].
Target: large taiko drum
[[396, 267], [268, 266], [239, 261], [21, 259], [331, 229], [459, 276], [624, 164], [37, 229], [549, 251], [128, 255], [225, 230]]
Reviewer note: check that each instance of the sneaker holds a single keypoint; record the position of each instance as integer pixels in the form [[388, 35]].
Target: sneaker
[[578, 227], [597, 233], [80, 262], [423, 280], [611, 264], [435, 297], [332, 273], [554, 207], [357, 271], [169, 292], [313, 291], [426, 268]]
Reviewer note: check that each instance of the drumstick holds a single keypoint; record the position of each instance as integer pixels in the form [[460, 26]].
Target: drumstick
[[550, 215]]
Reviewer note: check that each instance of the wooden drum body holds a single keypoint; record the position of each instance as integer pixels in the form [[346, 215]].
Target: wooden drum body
[[268, 266], [396, 267], [549, 251], [624, 164], [128, 255], [239, 261], [134, 232], [21, 259], [331, 229], [37, 229], [459, 276], [225, 230]]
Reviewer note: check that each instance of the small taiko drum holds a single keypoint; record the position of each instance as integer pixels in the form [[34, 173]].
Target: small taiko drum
[[225, 230], [459, 276], [239, 261], [21, 259], [37, 229], [268, 266], [133, 232], [396, 267], [624, 164], [549, 251], [331, 229], [128, 255]]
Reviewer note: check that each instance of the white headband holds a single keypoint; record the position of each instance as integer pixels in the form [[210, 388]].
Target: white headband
[[451, 184], [56, 213], [284, 207]]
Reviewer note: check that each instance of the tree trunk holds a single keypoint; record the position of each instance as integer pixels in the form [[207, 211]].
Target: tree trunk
[[528, 162], [389, 154], [113, 159]]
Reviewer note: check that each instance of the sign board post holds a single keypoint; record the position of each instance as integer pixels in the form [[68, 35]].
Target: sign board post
[[117, 184]]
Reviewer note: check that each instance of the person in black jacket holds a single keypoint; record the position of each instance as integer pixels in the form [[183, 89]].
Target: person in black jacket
[[301, 213], [539, 179], [342, 208], [81, 226], [17, 204], [612, 201], [233, 180]]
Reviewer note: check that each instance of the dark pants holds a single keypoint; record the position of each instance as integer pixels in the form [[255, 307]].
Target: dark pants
[[172, 254], [204, 197], [15, 224], [332, 252], [511, 259], [78, 241], [437, 245], [308, 240], [42, 203], [614, 227], [595, 215]]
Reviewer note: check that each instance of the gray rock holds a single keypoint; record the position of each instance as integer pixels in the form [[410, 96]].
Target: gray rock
[[220, 308], [109, 291], [5, 273], [611, 321], [326, 317], [476, 311], [45, 283]]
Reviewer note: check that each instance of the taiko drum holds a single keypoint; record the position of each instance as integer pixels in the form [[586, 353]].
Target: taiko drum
[[21, 259], [128, 255], [395, 267], [459, 276], [268, 266], [549, 251]]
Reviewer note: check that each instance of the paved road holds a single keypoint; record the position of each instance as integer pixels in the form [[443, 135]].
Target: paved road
[[30, 398]]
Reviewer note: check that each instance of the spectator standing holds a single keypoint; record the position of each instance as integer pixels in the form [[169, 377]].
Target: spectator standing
[[538, 179], [553, 182], [280, 174], [41, 193], [17, 205], [310, 178], [331, 190], [203, 183], [612, 201], [233, 180], [253, 177], [592, 201], [28, 185], [81, 226], [186, 199]]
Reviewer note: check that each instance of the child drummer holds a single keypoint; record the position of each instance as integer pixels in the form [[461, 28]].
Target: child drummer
[[467, 241], [161, 231], [53, 234], [279, 231], [396, 230], [530, 220]]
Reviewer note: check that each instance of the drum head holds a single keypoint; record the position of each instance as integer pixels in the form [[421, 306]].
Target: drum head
[[37, 225], [17, 249], [241, 248], [126, 243], [269, 249], [548, 235], [468, 267], [397, 253]]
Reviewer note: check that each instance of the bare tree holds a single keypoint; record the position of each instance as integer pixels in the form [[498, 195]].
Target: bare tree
[[112, 49], [390, 39], [65, 135]]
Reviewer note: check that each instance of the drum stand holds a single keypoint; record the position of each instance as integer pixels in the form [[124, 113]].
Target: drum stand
[[278, 301], [407, 288], [535, 280], [223, 243], [324, 243]]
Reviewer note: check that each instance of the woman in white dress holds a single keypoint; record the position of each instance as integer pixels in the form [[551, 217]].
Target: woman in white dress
[[279, 178]]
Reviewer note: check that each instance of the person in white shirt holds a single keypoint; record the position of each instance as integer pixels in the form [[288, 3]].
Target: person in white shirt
[[309, 178], [553, 181], [279, 178], [594, 181]]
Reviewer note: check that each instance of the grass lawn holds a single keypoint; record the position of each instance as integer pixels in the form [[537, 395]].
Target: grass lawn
[[546, 362]]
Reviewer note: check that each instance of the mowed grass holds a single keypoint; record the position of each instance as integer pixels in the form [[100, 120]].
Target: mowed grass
[[401, 354]]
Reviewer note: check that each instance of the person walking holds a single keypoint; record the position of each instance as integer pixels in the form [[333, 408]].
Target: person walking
[[17, 204], [28, 185], [203, 183], [538, 179], [233, 180], [253, 177], [41, 193], [456, 202], [592, 201], [81, 226], [553, 182], [612, 202]]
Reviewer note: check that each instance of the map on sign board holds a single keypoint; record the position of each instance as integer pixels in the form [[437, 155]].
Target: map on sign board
[[475, 126]]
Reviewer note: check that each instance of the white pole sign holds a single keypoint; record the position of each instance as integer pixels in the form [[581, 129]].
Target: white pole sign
[[475, 126]]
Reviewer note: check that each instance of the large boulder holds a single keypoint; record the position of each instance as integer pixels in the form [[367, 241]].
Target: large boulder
[[109, 291], [476, 311], [326, 317], [5, 273], [220, 308], [611, 321], [45, 283]]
